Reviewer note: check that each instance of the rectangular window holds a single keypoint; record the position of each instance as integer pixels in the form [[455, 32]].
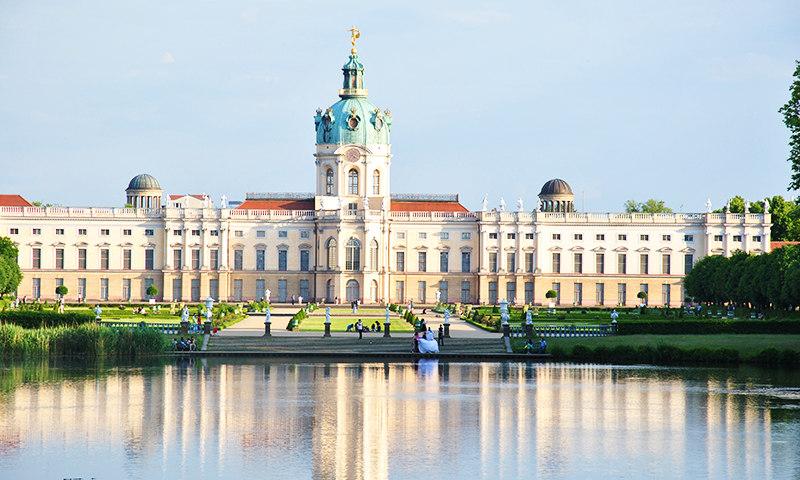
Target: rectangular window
[[36, 288], [622, 263], [511, 262], [600, 237], [261, 263], [148, 232], [443, 292], [104, 289], [195, 259], [105, 232], [238, 233], [305, 234], [493, 261], [82, 259], [59, 259], [600, 263], [757, 238], [422, 235], [529, 292], [688, 263], [261, 234], [422, 264], [556, 236], [444, 235], [283, 260], [126, 289], [578, 236], [557, 289], [82, 288], [578, 293], [529, 262], [622, 237], [36, 231], [464, 292], [214, 254], [737, 238], [305, 260], [282, 291], [104, 259], [13, 231], [400, 261], [622, 294], [399, 291], [644, 288], [400, 235], [283, 234], [665, 294], [644, 264], [717, 238], [127, 232], [528, 236], [688, 238], [177, 259], [511, 291], [149, 259], [556, 262], [665, 264], [213, 288], [493, 236], [82, 231], [304, 291], [600, 294], [492, 292], [578, 261], [37, 258], [195, 290], [237, 290], [466, 235], [511, 236], [127, 260], [59, 231], [644, 238], [195, 233], [666, 238], [238, 259], [466, 262], [214, 233], [444, 261], [177, 232], [260, 290]]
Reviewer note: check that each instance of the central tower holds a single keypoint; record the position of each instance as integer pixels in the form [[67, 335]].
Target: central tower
[[353, 153]]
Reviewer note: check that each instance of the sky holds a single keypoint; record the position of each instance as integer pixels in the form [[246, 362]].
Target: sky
[[676, 101]]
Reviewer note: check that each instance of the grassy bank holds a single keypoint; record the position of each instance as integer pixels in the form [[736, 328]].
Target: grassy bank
[[82, 340], [670, 349], [316, 323]]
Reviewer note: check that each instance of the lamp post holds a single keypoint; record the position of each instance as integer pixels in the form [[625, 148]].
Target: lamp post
[[209, 307]]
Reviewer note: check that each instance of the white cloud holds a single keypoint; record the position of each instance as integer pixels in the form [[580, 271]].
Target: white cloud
[[167, 58], [250, 15]]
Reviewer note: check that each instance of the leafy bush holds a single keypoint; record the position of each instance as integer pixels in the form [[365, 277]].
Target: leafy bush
[[709, 327], [769, 355], [581, 352], [37, 319]]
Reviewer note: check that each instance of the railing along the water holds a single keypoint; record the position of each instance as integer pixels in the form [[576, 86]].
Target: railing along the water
[[566, 331], [165, 328]]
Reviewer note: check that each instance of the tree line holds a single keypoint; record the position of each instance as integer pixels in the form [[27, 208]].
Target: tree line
[[770, 280], [10, 274]]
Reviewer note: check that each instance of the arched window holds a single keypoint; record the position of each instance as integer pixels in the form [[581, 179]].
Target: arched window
[[331, 247], [376, 182], [329, 181], [352, 259], [352, 290], [374, 292], [352, 182], [373, 255]]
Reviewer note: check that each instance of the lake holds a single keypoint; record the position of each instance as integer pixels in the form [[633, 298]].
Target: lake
[[176, 418]]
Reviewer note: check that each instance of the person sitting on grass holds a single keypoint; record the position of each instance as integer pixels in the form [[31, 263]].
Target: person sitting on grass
[[528, 346], [349, 328], [192, 345], [542, 346]]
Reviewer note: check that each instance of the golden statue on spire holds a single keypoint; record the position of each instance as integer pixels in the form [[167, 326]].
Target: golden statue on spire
[[353, 35]]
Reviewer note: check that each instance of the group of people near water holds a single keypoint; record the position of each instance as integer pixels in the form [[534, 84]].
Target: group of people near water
[[185, 345], [361, 329], [424, 341]]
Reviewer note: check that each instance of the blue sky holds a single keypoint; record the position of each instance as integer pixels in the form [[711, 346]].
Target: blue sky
[[624, 100]]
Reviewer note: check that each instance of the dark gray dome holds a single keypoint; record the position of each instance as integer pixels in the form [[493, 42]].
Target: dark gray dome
[[556, 186], [144, 182]]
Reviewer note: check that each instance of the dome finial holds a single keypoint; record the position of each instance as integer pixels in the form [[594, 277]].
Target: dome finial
[[353, 35]]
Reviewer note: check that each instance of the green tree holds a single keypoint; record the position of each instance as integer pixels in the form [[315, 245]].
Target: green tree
[[152, 290], [10, 274], [737, 206], [784, 215], [650, 206], [791, 118]]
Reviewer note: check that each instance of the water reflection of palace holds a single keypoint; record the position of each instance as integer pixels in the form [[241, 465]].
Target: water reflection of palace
[[390, 420]]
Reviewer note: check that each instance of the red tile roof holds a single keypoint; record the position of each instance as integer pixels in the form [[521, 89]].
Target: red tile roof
[[427, 207], [276, 205], [774, 245], [14, 201]]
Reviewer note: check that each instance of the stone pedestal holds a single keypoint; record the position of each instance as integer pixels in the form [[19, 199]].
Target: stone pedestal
[[267, 328], [446, 330], [207, 328], [184, 328], [327, 330], [529, 330], [506, 330], [386, 328]]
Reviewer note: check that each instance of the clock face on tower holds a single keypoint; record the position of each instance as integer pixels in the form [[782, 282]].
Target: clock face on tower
[[352, 155]]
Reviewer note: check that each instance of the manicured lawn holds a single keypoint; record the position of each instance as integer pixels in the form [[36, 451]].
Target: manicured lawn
[[747, 345], [339, 324]]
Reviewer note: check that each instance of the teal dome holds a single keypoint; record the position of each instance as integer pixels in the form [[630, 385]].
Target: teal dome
[[144, 182], [353, 119]]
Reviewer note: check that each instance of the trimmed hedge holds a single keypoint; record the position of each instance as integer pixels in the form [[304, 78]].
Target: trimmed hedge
[[709, 327], [45, 319]]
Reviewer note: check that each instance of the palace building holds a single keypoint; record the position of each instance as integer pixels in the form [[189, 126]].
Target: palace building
[[352, 238]]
